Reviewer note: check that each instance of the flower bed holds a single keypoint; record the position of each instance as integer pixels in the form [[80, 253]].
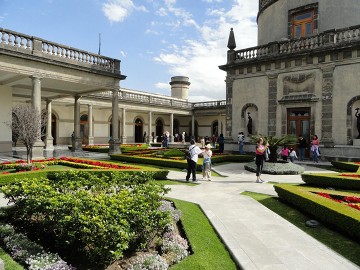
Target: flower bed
[[351, 201], [346, 219], [22, 166]]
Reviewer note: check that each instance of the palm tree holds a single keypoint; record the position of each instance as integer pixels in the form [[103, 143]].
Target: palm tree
[[274, 143]]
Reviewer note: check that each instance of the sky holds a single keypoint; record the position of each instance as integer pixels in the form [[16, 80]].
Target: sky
[[155, 40]]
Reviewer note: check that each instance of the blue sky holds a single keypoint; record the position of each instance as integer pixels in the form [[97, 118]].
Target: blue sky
[[154, 40]]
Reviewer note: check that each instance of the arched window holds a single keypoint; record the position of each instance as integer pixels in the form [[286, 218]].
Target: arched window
[[215, 128]]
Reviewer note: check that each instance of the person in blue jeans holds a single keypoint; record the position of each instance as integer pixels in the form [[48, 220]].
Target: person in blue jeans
[[241, 142]]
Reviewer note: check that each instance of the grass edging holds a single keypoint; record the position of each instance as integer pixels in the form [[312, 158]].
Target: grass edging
[[341, 244], [209, 252]]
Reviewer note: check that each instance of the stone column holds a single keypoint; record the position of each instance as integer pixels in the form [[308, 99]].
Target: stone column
[[327, 105], [114, 143], [229, 95], [219, 126], [90, 123], [171, 127], [76, 140], [49, 141], [123, 129], [272, 104], [38, 148], [193, 126], [150, 137]]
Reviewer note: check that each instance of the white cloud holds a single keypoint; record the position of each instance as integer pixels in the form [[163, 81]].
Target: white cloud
[[200, 57], [118, 10], [161, 85]]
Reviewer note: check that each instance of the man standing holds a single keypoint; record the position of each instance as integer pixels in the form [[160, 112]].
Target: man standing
[[241, 142], [301, 146], [194, 152]]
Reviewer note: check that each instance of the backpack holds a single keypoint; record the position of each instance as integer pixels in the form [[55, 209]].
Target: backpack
[[188, 154]]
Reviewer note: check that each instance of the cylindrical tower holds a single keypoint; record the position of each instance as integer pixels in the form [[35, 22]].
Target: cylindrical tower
[[180, 87], [286, 19]]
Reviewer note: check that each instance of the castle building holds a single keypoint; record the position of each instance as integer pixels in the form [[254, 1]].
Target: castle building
[[81, 94], [302, 78]]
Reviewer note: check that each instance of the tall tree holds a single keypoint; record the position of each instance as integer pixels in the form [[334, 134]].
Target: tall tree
[[27, 124]]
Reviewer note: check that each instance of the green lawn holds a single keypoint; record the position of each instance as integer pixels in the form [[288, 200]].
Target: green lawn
[[9, 262], [336, 241], [208, 251]]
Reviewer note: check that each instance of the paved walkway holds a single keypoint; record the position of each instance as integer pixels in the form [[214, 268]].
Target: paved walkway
[[255, 236]]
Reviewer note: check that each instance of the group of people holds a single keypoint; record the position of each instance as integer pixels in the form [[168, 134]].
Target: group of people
[[194, 152], [260, 155]]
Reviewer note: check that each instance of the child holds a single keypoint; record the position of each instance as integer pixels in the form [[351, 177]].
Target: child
[[206, 167], [285, 153], [292, 155]]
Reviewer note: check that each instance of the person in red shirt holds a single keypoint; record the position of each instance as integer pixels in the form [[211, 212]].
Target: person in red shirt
[[285, 153]]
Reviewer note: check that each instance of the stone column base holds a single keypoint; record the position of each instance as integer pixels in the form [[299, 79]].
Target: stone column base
[[114, 147], [91, 141], [38, 150], [356, 142], [123, 139], [49, 144], [150, 139], [76, 145]]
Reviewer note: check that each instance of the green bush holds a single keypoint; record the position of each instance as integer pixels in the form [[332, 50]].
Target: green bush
[[96, 215], [331, 180], [181, 164], [346, 166], [343, 217], [174, 153]]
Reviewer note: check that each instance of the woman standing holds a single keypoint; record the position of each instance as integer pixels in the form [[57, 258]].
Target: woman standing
[[221, 143], [259, 160], [206, 167], [315, 148]]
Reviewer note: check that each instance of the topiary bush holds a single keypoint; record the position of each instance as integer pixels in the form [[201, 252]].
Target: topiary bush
[[94, 216]]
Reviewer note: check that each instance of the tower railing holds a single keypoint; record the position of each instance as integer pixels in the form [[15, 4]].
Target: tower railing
[[331, 38]]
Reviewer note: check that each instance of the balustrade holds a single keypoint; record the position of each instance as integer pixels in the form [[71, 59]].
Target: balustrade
[[14, 39], [11, 39], [332, 37]]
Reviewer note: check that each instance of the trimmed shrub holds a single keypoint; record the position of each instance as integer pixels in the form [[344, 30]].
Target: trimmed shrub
[[276, 168], [331, 180], [343, 217], [346, 166]]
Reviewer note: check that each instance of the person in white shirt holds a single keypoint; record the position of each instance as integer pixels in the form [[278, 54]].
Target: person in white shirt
[[292, 155], [206, 167], [192, 162]]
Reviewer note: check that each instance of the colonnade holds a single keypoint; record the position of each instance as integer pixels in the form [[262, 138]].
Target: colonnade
[[115, 140]]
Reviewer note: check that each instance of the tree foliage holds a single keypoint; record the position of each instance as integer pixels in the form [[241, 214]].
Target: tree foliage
[[274, 143], [26, 125]]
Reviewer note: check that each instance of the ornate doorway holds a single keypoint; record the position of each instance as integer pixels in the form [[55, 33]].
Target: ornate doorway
[[138, 130], [84, 128], [298, 123]]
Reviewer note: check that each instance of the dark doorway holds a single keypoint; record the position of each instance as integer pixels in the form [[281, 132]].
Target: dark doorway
[[84, 128], [138, 130], [159, 129], [298, 123], [215, 128]]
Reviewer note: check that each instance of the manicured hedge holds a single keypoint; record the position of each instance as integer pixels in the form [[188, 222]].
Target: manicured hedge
[[343, 217], [14, 177], [346, 166], [182, 164], [331, 180]]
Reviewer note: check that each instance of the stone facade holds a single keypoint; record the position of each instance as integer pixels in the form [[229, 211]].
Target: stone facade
[[312, 79]]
